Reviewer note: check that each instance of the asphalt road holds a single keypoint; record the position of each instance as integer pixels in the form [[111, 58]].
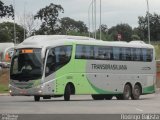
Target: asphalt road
[[79, 105]]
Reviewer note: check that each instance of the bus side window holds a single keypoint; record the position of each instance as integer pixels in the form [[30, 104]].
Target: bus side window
[[84, 52], [101, 53], [57, 58], [149, 55], [138, 54], [123, 54], [50, 62], [133, 54], [116, 53], [144, 54], [108, 53], [96, 57], [91, 52], [128, 54], [80, 52]]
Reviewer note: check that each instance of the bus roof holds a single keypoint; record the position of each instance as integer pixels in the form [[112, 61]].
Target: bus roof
[[40, 41]]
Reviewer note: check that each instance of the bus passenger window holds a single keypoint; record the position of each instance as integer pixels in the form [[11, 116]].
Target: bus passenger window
[[57, 58], [84, 52], [144, 54], [149, 55], [101, 53], [50, 65], [116, 53], [128, 54], [80, 52], [123, 54], [133, 54], [138, 54], [108, 53]]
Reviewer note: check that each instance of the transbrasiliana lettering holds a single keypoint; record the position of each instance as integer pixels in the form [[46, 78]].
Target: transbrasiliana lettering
[[109, 67]]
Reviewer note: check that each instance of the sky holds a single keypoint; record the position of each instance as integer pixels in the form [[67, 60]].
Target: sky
[[113, 11]]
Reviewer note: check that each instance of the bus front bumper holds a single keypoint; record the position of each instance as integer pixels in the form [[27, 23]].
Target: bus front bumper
[[15, 91]]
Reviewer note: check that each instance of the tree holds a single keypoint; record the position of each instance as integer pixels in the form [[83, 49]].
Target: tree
[[154, 26], [49, 17], [123, 29], [6, 10], [69, 25], [104, 29], [135, 37], [29, 23], [138, 32], [7, 32], [104, 33]]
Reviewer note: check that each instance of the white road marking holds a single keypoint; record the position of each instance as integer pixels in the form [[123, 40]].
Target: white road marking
[[139, 110]]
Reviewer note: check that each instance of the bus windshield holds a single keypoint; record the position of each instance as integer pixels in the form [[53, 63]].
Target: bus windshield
[[26, 65]]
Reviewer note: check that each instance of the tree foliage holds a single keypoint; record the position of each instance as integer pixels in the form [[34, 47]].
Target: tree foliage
[[154, 27], [6, 11], [68, 25], [135, 37], [124, 29], [104, 29], [7, 32], [49, 17]]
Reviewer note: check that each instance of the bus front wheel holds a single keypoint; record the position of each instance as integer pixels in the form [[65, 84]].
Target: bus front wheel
[[36, 98], [67, 93], [136, 92]]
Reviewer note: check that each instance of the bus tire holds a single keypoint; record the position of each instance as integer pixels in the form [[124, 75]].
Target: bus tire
[[36, 98], [127, 92], [67, 93], [136, 92], [98, 97], [108, 97]]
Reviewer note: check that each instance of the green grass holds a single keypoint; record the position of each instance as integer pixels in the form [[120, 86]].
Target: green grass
[[157, 50], [4, 88]]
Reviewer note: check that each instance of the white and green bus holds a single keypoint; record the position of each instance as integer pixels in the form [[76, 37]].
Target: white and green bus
[[57, 65]]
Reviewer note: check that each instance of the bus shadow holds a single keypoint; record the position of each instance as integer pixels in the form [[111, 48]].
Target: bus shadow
[[84, 100]]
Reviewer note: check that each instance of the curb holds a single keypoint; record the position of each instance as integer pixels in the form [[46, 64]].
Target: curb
[[4, 94]]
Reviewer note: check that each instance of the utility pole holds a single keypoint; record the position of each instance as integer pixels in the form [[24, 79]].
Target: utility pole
[[95, 16], [15, 41], [24, 22], [89, 24], [149, 33], [100, 19]]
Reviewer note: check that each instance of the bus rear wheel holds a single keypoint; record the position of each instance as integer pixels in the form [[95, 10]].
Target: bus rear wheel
[[98, 97], [126, 93], [67, 93], [36, 98], [136, 92]]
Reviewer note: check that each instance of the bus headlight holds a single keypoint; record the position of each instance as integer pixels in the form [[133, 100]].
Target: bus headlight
[[40, 91], [10, 91]]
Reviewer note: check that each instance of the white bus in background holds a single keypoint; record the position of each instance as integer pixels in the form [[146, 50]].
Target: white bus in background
[[6, 52]]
